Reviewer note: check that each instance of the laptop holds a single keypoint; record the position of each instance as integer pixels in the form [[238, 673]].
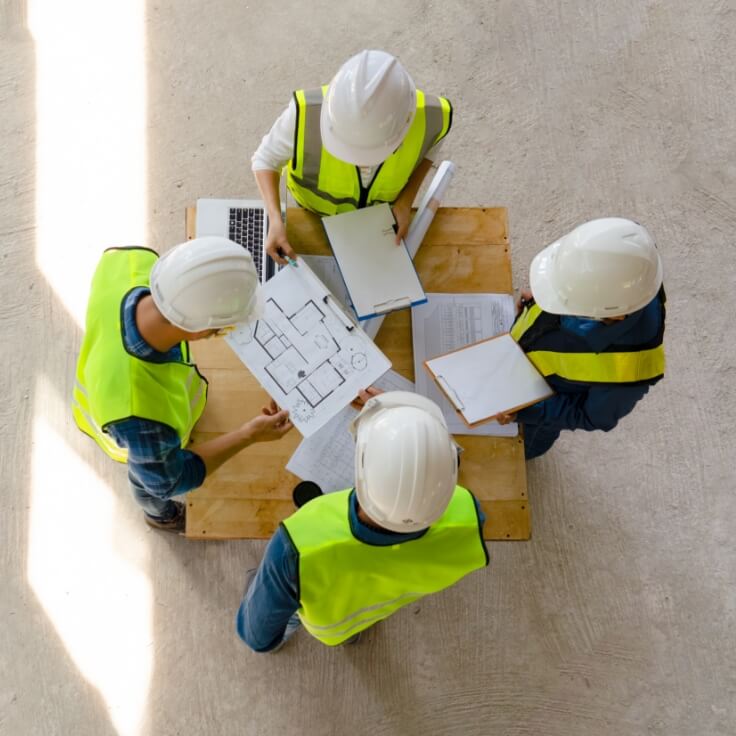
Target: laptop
[[243, 221]]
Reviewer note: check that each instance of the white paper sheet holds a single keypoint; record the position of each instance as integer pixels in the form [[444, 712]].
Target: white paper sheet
[[306, 351], [327, 457], [450, 321]]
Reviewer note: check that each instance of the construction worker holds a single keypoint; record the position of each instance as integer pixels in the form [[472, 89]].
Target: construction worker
[[370, 136], [346, 560], [593, 325], [137, 393]]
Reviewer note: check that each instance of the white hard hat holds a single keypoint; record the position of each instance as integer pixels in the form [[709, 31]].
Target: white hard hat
[[405, 461], [368, 108], [206, 283], [604, 268]]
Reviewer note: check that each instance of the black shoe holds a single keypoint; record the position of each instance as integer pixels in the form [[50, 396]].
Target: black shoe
[[177, 524], [304, 492], [354, 639]]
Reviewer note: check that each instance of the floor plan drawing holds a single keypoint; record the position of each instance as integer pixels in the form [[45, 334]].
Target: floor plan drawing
[[306, 351]]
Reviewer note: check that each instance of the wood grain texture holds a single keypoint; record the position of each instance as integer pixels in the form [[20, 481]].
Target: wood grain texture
[[465, 250]]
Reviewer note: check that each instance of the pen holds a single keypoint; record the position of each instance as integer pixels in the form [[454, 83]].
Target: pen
[[338, 313], [289, 259]]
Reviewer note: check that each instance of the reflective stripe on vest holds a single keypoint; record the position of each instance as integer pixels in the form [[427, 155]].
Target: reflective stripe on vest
[[346, 585], [605, 367], [111, 384], [324, 184]]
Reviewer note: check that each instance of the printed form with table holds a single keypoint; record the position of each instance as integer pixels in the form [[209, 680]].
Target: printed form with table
[[313, 349]]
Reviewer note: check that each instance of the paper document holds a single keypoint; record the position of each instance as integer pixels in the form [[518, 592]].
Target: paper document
[[379, 275], [326, 270], [450, 321], [328, 456], [306, 351], [488, 378]]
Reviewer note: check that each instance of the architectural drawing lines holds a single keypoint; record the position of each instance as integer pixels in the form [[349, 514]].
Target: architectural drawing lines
[[305, 355]]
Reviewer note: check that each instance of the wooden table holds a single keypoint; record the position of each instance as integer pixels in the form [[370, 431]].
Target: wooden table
[[465, 250]]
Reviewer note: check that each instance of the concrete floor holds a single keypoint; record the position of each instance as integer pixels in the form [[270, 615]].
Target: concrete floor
[[618, 616]]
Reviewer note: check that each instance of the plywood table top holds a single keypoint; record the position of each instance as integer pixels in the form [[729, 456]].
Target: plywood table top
[[465, 250]]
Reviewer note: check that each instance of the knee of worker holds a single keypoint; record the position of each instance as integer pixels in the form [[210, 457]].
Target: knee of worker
[[600, 424], [162, 488], [538, 439]]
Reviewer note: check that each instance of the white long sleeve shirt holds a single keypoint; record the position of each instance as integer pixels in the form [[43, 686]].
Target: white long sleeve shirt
[[277, 147]]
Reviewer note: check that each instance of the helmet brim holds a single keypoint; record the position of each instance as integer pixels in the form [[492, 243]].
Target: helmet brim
[[541, 281]]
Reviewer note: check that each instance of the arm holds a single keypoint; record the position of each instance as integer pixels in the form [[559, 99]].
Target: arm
[[271, 599], [600, 407], [277, 244], [274, 152], [271, 425], [402, 206], [157, 462]]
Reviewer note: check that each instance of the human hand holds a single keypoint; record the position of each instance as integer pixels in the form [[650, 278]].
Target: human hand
[[277, 244], [365, 395], [525, 296], [272, 424], [402, 215], [505, 418]]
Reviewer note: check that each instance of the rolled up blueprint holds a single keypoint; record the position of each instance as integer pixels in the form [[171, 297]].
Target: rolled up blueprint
[[428, 207]]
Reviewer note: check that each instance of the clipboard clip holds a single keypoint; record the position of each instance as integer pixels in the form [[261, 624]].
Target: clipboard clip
[[401, 302], [349, 326], [451, 394]]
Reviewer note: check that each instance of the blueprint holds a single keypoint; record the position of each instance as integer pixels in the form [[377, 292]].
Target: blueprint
[[327, 457], [451, 321], [306, 351], [328, 272]]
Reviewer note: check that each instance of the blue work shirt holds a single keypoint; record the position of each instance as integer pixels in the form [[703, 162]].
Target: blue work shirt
[[590, 406], [272, 598], [156, 460]]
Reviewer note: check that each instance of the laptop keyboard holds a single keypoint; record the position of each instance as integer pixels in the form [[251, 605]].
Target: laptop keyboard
[[246, 229]]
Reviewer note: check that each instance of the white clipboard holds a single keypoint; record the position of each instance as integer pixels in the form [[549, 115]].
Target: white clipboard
[[379, 275], [488, 378]]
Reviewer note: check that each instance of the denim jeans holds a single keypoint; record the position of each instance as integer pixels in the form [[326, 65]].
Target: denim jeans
[[160, 509], [292, 626], [538, 438]]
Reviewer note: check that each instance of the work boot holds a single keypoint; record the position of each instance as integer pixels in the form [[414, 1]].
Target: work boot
[[354, 639], [176, 524]]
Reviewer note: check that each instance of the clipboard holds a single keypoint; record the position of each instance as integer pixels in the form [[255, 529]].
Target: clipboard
[[489, 377], [380, 276]]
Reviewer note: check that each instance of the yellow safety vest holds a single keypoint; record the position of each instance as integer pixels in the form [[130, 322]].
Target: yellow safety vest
[[111, 384], [326, 185], [643, 364], [346, 585]]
